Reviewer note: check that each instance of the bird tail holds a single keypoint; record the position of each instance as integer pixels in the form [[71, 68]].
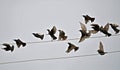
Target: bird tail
[[92, 19], [12, 48], [67, 51], [65, 37], [76, 48], [117, 31], [23, 44], [109, 34], [42, 36], [54, 37]]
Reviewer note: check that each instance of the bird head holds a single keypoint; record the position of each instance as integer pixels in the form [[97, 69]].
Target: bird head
[[48, 30], [69, 43], [59, 30]]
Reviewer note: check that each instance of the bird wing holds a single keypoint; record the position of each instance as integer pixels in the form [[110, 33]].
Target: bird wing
[[69, 49], [86, 21], [53, 30], [82, 38], [86, 18], [7, 45], [83, 27], [36, 34], [106, 27], [116, 25], [101, 47], [96, 25], [63, 33], [93, 31]]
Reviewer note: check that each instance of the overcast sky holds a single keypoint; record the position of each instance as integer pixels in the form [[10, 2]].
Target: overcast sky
[[20, 18]]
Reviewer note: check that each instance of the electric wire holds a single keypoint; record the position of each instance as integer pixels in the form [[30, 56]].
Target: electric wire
[[55, 58], [65, 40]]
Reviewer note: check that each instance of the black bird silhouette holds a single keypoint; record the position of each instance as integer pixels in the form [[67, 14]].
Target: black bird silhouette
[[96, 28], [8, 47], [105, 30], [52, 32], [62, 35], [37, 35], [84, 32], [101, 49], [71, 47], [114, 27], [88, 18], [19, 43]]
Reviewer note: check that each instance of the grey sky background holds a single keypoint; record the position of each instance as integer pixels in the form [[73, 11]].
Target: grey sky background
[[20, 18]]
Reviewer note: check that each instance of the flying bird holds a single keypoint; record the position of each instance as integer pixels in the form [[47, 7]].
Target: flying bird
[[19, 43], [84, 32], [37, 35], [71, 47], [105, 30], [52, 32], [96, 28], [8, 47], [88, 18], [101, 49], [62, 35], [114, 27]]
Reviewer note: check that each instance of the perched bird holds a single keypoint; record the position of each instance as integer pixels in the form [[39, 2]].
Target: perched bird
[[52, 32], [71, 47], [84, 32], [62, 35], [37, 35], [88, 18], [105, 30], [114, 27], [96, 28], [101, 49], [8, 47], [19, 43]]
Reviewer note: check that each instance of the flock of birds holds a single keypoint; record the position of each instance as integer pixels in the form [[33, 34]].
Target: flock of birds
[[84, 35]]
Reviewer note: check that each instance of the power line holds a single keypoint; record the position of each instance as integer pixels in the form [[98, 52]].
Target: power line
[[55, 58], [65, 40]]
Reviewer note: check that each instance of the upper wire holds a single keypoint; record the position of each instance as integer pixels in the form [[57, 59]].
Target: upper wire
[[64, 40]]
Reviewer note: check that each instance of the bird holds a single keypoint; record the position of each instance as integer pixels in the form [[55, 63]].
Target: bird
[[8, 47], [37, 35], [71, 47], [96, 28], [84, 32], [114, 27], [19, 43], [105, 30], [62, 35], [52, 32], [88, 18], [101, 49]]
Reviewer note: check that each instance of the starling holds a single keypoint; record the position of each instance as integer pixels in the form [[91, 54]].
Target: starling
[[84, 32], [105, 30], [96, 28], [101, 49], [19, 43], [62, 35], [88, 18], [8, 47], [114, 27], [71, 47], [52, 32], [37, 35]]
